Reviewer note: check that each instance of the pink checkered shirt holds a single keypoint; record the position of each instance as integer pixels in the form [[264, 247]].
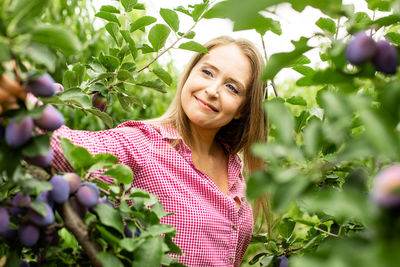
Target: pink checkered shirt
[[212, 230]]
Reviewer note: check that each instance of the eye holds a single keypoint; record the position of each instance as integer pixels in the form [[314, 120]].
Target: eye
[[207, 72], [232, 88]]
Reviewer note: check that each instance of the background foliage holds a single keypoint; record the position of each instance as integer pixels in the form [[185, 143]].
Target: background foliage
[[331, 131]]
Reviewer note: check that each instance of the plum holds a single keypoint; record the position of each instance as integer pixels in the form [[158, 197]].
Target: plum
[[28, 235], [74, 181], [103, 200], [4, 220], [59, 88], [51, 119], [19, 204], [60, 191], [87, 196], [19, 132], [361, 49], [284, 262], [386, 187], [41, 160], [385, 59], [45, 197], [42, 86], [41, 220], [24, 263], [99, 101], [127, 231]]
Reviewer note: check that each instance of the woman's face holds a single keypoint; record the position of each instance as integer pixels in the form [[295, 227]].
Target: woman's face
[[215, 89]]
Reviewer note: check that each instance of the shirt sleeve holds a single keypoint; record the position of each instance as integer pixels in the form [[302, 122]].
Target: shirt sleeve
[[129, 144]]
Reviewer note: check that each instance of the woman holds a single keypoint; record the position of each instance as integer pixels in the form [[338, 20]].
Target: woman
[[189, 156]]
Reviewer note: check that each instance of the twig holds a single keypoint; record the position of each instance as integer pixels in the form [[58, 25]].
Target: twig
[[328, 233], [173, 44], [337, 28], [266, 61]]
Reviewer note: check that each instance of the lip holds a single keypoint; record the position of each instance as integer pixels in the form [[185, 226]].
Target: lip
[[207, 105]]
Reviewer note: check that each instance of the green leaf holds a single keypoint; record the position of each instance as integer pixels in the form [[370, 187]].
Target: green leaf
[[123, 75], [121, 172], [171, 18], [379, 134], [69, 79], [109, 216], [102, 115], [39, 207], [198, 10], [38, 53], [80, 70], [387, 21], [297, 100], [163, 75], [149, 254], [127, 101], [102, 161], [23, 13], [132, 46], [282, 119], [282, 60], [142, 22], [39, 145], [393, 37], [158, 229], [111, 9], [312, 138], [326, 24], [57, 37], [193, 46], [129, 66], [110, 62], [113, 29], [77, 156], [266, 260], [158, 35], [108, 16], [129, 4], [286, 228], [76, 96], [156, 84], [5, 52], [109, 260], [189, 35]]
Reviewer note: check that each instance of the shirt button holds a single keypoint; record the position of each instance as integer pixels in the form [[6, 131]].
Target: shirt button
[[231, 260], [234, 227]]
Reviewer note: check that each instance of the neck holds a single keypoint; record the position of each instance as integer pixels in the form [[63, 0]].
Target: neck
[[203, 141]]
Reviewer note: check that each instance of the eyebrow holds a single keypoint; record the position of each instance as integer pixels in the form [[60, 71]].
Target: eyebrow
[[242, 87]]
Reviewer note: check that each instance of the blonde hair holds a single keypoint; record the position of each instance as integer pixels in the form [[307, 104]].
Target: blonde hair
[[239, 134]]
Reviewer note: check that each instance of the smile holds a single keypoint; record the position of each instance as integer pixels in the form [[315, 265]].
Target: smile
[[206, 105]]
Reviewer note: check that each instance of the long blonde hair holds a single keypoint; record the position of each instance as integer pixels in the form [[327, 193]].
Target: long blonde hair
[[239, 134]]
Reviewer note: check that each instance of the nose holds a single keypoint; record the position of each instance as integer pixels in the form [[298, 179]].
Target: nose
[[212, 89]]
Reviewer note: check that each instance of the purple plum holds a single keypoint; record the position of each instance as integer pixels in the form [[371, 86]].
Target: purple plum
[[51, 119], [385, 59], [361, 49], [42, 86], [19, 132]]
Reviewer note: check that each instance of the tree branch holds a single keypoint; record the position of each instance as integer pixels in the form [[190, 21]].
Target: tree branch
[[75, 225], [266, 61]]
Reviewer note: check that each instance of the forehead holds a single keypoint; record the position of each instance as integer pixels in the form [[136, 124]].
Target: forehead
[[231, 61]]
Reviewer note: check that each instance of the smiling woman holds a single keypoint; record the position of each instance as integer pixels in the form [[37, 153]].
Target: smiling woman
[[189, 156]]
